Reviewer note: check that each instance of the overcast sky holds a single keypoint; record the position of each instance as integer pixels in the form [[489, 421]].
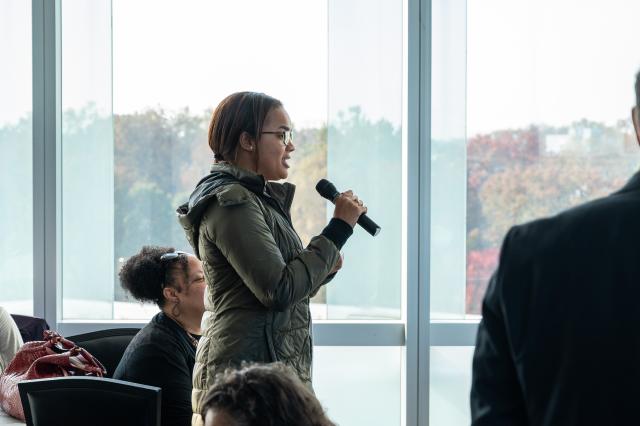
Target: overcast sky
[[520, 61]]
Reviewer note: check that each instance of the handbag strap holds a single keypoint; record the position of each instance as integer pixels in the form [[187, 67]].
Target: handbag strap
[[57, 342], [77, 357], [90, 363]]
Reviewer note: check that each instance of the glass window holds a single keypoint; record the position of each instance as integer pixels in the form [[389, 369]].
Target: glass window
[[87, 161], [448, 158], [450, 385], [137, 100], [365, 151], [16, 165], [530, 116], [359, 386], [162, 107]]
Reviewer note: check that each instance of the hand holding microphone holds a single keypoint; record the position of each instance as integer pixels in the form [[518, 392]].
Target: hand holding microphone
[[348, 207]]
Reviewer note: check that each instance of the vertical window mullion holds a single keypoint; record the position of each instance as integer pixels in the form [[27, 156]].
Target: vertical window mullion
[[418, 211], [45, 31]]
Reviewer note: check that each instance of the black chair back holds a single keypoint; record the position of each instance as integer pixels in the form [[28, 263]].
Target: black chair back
[[31, 328], [106, 345], [95, 401]]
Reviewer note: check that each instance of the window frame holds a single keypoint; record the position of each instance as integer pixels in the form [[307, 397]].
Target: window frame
[[416, 332]]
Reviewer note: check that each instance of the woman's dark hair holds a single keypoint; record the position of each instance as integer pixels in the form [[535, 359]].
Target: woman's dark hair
[[264, 395], [237, 113], [144, 275]]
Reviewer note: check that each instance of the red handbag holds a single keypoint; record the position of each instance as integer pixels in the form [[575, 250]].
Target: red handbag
[[55, 356]]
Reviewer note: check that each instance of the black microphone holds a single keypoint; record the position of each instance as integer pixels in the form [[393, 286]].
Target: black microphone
[[329, 191]]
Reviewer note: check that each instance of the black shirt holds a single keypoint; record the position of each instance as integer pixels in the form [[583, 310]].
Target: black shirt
[[163, 355]]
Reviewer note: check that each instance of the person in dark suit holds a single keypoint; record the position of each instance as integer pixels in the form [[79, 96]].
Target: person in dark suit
[[559, 340]]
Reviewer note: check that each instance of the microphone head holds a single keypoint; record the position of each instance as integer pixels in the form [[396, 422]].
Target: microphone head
[[326, 189]]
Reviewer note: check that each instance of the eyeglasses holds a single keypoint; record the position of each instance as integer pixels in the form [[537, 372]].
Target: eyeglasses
[[173, 255], [286, 136], [169, 257]]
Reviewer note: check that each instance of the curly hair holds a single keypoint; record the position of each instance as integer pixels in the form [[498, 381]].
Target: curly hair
[[144, 275], [264, 395]]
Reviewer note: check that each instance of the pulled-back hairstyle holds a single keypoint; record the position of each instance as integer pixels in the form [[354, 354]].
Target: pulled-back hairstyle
[[144, 275], [264, 395], [237, 113]]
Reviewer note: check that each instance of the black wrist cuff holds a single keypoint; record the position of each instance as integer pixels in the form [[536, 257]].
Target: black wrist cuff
[[338, 231]]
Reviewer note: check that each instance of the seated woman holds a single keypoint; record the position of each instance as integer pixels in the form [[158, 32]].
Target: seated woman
[[261, 395], [163, 353], [10, 339]]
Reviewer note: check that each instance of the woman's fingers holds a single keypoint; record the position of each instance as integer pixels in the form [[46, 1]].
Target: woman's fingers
[[349, 207]]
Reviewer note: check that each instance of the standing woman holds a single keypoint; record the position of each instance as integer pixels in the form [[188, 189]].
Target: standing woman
[[259, 276]]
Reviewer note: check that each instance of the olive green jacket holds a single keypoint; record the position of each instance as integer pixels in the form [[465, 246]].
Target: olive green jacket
[[259, 276]]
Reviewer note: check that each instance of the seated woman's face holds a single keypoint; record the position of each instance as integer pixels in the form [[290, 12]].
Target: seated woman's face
[[192, 298]]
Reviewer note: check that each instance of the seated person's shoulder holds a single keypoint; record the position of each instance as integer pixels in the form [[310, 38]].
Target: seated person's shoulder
[[6, 322], [152, 345], [155, 334]]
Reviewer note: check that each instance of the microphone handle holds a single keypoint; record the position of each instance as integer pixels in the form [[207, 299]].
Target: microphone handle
[[369, 225]]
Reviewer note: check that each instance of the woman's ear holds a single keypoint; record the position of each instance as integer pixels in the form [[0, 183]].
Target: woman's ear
[[170, 294], [247, 143]]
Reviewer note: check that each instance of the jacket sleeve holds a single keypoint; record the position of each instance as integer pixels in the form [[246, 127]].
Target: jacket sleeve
[[325, 282], [241, 233], [496, 396]]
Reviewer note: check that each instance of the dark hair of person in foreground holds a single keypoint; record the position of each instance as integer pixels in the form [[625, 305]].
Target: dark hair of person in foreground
[[264, 395]]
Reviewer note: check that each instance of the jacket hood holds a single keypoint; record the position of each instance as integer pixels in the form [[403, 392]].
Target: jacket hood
[[222, 175]]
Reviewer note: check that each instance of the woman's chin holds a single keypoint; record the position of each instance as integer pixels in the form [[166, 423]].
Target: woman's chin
[[283, 174], [278, 174]]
